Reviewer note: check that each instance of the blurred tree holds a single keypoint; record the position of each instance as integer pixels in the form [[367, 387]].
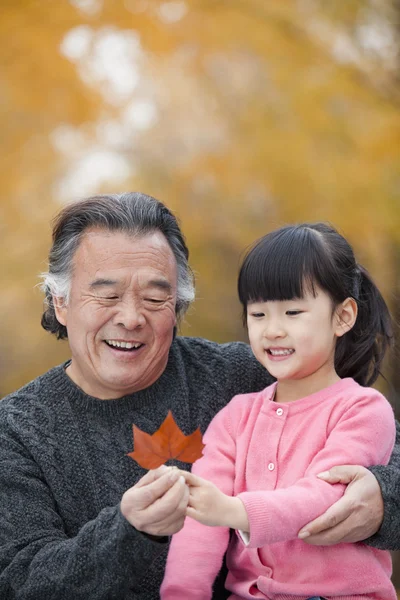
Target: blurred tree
[[239, 115]]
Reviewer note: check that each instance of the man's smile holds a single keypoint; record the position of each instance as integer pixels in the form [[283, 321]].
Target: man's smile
[[124, 345]]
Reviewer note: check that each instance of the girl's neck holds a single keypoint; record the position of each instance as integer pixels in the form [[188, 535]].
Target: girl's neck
[[290, 390]]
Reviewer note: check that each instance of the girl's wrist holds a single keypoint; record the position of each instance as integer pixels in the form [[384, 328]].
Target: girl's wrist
[[235, 515]]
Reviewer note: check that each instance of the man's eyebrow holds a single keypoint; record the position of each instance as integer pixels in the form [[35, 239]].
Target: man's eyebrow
[[163, 284], [102, 282], [160, 283]]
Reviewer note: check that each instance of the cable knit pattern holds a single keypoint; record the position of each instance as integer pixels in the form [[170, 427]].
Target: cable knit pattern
[[269, 454], [64, 468]]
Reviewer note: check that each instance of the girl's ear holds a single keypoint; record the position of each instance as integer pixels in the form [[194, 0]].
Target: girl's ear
[[346, 315]]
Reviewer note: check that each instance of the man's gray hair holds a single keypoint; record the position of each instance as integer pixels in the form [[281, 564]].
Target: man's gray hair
[[133, 213]]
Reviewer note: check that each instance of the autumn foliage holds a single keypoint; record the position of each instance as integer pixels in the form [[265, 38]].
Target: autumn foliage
[[151, 451]]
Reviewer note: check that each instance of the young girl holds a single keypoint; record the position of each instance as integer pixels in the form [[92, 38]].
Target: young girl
[[319, 325]]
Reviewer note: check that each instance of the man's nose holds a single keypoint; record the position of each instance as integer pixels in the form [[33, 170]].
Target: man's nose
[[130, 315]]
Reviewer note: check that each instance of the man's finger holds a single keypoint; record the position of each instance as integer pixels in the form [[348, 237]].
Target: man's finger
[[145, 495], [168, 502], [343, 474], [174, 507], [151, 476], [330, 537], [337, 513]]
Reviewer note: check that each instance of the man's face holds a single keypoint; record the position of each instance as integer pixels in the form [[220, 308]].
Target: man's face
[[121, 312]]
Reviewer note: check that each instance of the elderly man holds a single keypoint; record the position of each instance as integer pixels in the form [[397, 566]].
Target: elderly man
[[80, 519]]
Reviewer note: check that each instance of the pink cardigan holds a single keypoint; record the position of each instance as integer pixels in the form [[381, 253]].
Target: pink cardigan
[[268, 454]]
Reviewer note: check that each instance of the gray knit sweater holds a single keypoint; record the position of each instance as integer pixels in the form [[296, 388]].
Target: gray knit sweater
[[64, 468]]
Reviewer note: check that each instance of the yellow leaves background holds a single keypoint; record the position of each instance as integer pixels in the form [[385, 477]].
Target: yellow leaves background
[[241, 116]]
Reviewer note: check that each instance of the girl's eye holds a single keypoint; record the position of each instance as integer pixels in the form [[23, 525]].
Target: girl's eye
[[293, 313], [257, 315]]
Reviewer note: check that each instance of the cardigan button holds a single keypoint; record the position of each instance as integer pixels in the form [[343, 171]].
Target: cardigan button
[[271, 466], [279, 412]]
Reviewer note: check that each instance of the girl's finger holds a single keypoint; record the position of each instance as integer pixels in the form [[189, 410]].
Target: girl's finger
[[192, 513], [192, 479]]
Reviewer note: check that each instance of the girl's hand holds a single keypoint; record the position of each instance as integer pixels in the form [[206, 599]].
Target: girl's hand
[[208, 505]]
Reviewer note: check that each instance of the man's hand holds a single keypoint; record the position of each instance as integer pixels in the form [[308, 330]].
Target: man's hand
[[353, 518], [157, 503], [208, 505]]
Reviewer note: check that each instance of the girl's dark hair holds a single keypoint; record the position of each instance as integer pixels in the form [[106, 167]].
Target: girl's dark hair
[[285, 263]]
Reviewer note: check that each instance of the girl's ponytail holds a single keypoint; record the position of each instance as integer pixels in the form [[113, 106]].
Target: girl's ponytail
[[360, 352]]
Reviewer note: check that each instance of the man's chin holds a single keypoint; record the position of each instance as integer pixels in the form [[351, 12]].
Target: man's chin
[[120, 384]]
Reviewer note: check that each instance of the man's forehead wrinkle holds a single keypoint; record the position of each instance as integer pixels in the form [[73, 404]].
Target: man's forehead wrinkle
[[150, 255], [152, 243], [103, 256]]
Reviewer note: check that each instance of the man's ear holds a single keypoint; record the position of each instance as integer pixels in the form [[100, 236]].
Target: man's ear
[[60, 308], [346, 315]]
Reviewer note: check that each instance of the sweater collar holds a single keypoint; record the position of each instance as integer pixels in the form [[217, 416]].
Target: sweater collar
[[62, 384], [332, 391]]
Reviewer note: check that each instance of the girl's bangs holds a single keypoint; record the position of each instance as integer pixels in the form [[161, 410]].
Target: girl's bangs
[[280, 267]]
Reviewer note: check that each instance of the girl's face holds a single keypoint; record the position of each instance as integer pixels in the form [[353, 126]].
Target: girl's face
[[295, 341]]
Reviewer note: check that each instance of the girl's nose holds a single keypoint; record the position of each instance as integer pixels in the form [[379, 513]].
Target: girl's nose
[[274, 330]]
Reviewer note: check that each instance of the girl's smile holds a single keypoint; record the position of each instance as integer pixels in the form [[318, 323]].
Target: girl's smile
[[279, 353]]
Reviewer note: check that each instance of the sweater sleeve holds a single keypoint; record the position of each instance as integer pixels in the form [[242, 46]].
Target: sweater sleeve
[[363, 436], [198, 547], [388, 536], [105, 560]]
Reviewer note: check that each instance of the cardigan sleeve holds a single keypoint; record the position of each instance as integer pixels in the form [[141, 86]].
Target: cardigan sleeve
[[388, 536], [196, 552], [364, 435], [106, 559]]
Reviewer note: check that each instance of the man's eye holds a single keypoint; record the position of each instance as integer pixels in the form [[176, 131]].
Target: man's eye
[[154, 300]]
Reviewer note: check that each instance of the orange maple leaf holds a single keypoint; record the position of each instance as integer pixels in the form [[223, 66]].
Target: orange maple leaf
[[151, 451]]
